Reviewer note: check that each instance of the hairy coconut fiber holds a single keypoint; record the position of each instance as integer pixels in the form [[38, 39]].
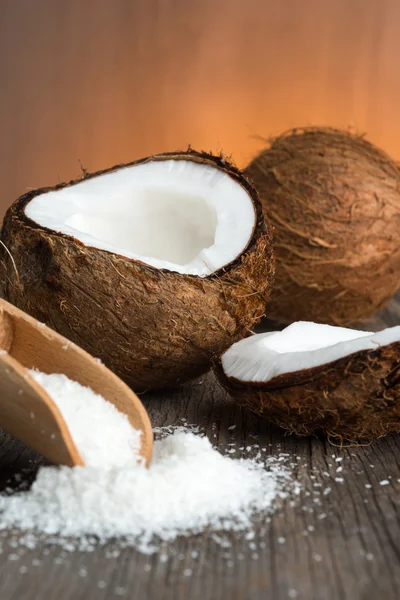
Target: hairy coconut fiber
[[153, 327], [334, 200], [351, 400]]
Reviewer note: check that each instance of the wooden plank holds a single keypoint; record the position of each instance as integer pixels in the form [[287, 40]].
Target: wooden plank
[[352, 553]]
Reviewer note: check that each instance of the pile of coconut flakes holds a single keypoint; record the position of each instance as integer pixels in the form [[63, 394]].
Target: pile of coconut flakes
[[189, 487]]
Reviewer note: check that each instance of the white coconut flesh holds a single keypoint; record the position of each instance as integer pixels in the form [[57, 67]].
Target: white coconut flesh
[[172, 214], [302, 345]]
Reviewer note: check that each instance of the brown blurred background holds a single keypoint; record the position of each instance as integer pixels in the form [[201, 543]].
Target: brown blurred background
[[108, 81]]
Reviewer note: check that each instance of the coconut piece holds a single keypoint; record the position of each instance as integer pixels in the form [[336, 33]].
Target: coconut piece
[[334, 200], [152, 266], [312, 378]]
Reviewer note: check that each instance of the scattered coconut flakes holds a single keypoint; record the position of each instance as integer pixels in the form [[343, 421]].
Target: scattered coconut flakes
[[169, 429], [317, 557], [120, 591], [384, 482], [369, 556]]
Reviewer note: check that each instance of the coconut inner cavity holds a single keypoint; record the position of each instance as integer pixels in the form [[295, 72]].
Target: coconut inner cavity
[[302, 345], [173, 214]]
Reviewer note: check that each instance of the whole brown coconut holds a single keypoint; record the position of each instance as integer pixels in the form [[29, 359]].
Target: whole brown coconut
[[352, 400], [334, 201], [153, 327]]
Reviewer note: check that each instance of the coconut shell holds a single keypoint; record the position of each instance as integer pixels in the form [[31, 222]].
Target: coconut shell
[[334, 201], [352, 400], [154, 328]]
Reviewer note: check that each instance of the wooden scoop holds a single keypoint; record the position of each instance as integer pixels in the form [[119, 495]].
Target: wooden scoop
[[28, 412]]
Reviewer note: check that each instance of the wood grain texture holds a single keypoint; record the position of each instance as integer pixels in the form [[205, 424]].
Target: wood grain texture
[[107, 81], [352, 553]]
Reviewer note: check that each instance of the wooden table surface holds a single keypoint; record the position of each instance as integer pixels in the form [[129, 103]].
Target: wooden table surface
[[341, 545]]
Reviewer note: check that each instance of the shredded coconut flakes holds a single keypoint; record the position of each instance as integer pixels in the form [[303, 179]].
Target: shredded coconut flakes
[[189, 486]]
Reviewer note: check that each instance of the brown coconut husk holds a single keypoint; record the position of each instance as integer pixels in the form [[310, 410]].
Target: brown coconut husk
[[154, 328], [334, 200], [355, 399]]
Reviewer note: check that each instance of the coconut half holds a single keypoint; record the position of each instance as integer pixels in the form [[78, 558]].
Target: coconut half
[[152, 266], [312, 378]]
